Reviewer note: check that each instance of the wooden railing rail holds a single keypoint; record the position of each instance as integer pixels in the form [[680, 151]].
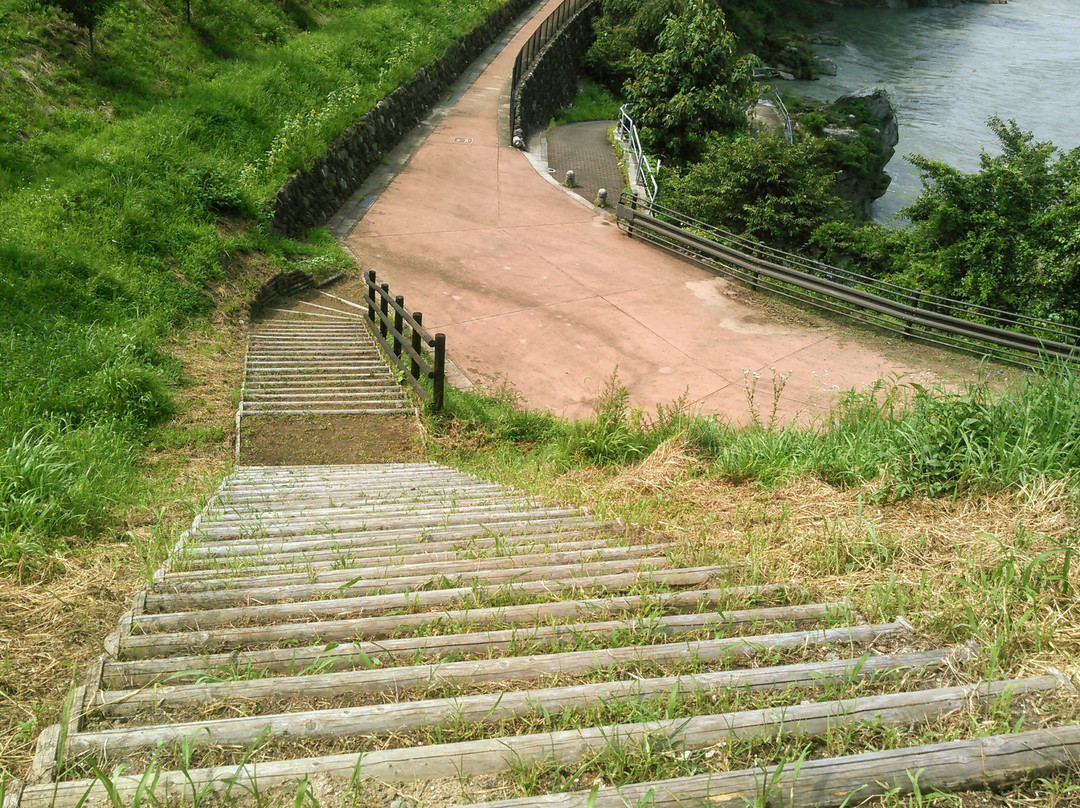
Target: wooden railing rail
[[404, 339]]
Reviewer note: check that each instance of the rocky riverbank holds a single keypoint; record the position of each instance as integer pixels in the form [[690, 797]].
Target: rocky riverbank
[[861, 132]]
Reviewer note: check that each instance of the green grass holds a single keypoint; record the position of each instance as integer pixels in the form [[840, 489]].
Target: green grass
[[593, 103], [902, 440], [115, 173]]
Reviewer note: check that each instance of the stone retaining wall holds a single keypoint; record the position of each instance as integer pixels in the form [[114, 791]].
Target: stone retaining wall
[[552, 82], [310, 197], [285, 284]]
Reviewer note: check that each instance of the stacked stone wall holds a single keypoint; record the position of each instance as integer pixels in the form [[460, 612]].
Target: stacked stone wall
[[552, 81]]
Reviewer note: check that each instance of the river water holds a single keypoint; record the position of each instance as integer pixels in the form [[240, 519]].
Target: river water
[[949, 69]]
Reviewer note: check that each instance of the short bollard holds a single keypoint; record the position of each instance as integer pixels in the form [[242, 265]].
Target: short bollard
[[601, 198], [571, 180]]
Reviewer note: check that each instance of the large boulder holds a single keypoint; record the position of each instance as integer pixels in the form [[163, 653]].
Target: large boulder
[[879, 107]]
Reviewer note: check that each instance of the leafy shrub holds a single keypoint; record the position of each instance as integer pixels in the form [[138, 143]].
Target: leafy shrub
[[1005, 236], [693, 86], [762, 188]]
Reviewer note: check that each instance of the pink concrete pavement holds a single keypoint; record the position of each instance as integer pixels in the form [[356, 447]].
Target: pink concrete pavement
[[535, 289]]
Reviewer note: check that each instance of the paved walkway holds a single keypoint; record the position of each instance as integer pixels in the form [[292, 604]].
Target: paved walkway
[[585, 149], [535, 288]]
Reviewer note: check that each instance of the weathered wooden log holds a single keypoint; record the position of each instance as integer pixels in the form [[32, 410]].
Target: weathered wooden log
[[494, 707], [369, 516], [141, 646], [421, 564], [236, 540], [359, 500], [350, 655], [368, 604], [973, 765], [475, 672], [978, 763], [359, 584], [329, 546], [433, 552]]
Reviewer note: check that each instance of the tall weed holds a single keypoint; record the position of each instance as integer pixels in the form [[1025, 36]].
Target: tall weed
[[905, 439], [57, 480]]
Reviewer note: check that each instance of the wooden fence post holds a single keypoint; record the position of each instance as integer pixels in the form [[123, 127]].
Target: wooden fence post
[[399, 323], [419, 317], [384, 307], [439, 372], [369, 279]]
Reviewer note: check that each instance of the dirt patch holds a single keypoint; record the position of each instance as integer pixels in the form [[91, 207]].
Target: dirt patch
[[285, 440]]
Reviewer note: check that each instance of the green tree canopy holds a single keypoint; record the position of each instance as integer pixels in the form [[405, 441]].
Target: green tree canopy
[[1006, 236], [762, 187], [693, 86]]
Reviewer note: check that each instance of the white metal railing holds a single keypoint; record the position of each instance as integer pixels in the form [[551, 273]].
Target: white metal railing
[[646, 171], [789, 127]]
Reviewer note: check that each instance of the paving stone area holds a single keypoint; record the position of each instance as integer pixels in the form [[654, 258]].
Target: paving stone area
[[584, 147]]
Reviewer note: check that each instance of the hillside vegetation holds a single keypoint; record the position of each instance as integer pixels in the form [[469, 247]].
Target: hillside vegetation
[[133, 184]]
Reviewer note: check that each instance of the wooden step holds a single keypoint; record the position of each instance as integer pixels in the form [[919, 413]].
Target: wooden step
[[978, 764], [351, 655], [407, 599], [113, 703], [996, 760], [142, 646]]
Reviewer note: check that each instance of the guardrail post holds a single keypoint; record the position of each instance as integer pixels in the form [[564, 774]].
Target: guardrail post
[[369, 279], [439, 372], [398, 324], [910, 322], [384, 307], [416, 344], [630, 224]]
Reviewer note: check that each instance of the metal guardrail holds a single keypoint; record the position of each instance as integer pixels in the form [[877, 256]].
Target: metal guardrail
[[789, 126], [1016, 339], [541, 36], [400, 332], [646, 171]]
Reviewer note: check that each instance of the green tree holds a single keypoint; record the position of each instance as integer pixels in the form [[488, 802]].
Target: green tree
[[85, 13], [763, 188], [626, 29], [1007, 235], [693, 86]]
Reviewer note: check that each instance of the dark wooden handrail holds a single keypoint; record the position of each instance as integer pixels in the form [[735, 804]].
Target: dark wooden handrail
[[400, 332]]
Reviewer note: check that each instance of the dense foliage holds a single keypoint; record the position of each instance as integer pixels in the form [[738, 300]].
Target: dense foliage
[[1007, 235], [693, 86], [762, 188]]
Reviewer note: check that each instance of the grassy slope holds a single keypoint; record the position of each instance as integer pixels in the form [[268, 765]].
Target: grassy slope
[[958, 510], [115, 173]]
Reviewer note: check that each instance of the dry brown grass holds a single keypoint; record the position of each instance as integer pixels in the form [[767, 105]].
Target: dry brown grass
[[942, 556], [53, 621]]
